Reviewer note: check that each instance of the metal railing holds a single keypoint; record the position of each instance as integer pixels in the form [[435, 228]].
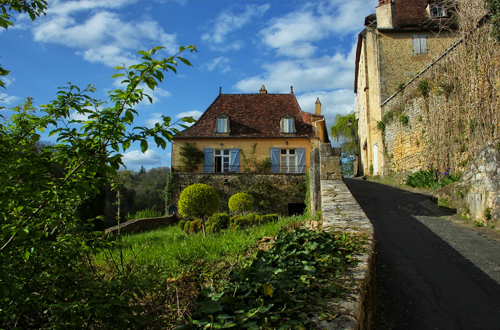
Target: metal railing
[[244, 169]]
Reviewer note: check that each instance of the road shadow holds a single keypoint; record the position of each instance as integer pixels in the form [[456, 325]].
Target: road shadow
[[422, 282]]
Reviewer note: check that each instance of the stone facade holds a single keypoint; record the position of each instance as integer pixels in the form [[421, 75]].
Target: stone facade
[[386, 58], [404, 136]]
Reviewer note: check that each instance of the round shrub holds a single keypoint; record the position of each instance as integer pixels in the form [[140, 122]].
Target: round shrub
[[198, 201], [240, 203], [217, 222], [270, 218]]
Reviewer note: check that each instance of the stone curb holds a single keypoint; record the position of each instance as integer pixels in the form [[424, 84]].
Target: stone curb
[[341, 212]]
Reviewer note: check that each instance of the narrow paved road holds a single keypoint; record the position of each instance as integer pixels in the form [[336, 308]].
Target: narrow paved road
[[431, 273]]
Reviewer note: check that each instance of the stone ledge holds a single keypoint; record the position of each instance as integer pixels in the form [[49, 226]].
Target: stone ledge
[[139, 225], [340, 211]]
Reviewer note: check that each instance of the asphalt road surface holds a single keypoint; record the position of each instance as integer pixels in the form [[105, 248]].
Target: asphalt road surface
[[431, 272]]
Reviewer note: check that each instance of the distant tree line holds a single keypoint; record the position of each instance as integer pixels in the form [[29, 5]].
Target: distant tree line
[[139, 190]]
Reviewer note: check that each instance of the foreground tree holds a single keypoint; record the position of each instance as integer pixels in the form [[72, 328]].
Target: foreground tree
[[48, 275], [199, 201]]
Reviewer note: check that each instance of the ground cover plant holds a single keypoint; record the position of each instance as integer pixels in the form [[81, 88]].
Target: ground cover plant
[[431, 179], [240, 287], [282, 287]]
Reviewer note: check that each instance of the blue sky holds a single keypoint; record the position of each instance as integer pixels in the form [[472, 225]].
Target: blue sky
[[309, 45]]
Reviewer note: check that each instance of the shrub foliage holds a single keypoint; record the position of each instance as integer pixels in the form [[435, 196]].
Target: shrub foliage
[[198, 201], [240, 203], [431, 179]]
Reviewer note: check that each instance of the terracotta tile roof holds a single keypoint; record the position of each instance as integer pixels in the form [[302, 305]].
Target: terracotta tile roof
[[252, 116], [412, 15]]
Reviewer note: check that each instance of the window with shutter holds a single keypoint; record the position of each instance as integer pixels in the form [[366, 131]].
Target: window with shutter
[[420, 44]]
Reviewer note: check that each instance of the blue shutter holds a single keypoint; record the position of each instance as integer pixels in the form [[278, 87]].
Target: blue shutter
[[290, 126], [235, 160], [275, 160], [301, 160], [208, 163]]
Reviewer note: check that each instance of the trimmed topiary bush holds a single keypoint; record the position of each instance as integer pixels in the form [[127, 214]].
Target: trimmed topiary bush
[[240, 203], [198, 201], [181, 224], [217, 222], [270, 218]]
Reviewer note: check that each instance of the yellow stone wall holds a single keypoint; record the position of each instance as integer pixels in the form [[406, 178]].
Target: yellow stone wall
[[368, 108], [398, 63], [386, 62], [262, 148]]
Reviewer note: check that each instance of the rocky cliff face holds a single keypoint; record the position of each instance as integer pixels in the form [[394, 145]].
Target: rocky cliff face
[[477, 195], [482, 179]]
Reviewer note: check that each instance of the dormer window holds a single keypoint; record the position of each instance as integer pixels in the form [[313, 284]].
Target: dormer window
[[287, 124], [222, 124], [437, 9]]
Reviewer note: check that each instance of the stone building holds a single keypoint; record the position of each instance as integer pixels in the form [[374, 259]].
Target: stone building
[[258, 132], [260, 143], [398, 41]]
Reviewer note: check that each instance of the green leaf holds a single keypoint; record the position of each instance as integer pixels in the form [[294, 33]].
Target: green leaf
[[144, 146], [209, 307]]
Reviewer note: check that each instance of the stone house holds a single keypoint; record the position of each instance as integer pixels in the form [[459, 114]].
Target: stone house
[[398, 41], [262, 144], [261, 132]]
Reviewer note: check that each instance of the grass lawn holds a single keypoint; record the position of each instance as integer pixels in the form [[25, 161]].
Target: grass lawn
[[175, 252], [169, 269]]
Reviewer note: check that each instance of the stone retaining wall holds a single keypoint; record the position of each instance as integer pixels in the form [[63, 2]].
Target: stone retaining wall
[[138, 225], [341, 212]]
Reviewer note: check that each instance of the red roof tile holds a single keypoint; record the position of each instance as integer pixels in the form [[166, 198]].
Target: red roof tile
[[252, 116]]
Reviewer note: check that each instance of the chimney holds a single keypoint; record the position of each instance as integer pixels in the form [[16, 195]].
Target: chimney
[[317, 108], [263, 90], [385, 14]]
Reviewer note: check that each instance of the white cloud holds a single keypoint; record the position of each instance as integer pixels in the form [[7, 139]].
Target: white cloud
[[327, 72], [8, 80], [135, 158], [220, 63], [294, 34], [155, 118], [228, 22], [78, 116], [8, 100], [104, 36], [193, 113]]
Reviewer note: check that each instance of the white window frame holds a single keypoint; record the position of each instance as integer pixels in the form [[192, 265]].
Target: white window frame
[[288, 160], [420, 44], [222, 124], [437, 9], [222, 160], [287, 124]]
